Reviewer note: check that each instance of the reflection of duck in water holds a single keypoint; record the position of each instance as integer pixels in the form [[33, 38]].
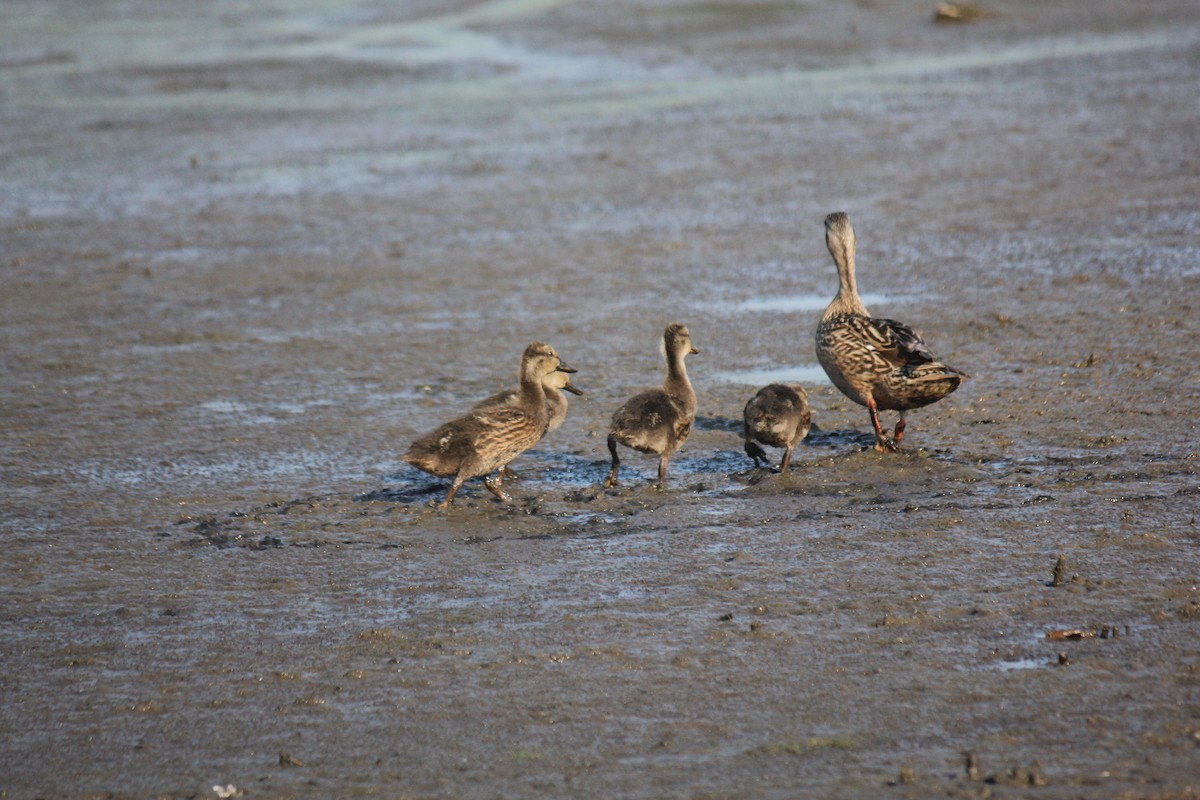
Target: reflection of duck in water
[[658, 420], [485, 440], [878, 363], [777, 416]]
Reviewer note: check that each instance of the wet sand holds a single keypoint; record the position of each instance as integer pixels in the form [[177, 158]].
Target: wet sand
[[250, 254]]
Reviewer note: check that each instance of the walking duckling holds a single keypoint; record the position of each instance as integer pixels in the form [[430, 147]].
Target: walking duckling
[[658, 420], [777, 416], [485, 440], [878, 363]]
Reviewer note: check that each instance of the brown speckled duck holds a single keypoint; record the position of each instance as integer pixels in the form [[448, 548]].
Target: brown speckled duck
[[485, 440], [777, 416], [658, 420], [878, 363]]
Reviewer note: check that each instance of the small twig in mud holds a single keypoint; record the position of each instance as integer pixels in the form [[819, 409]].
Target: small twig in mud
[[972, 766], [1074, 634], [959, 12], [1070, 633]]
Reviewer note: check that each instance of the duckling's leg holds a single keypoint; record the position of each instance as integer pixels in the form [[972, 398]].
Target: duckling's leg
[[662, 471], [616, 463], [493, 484], [458, 481], [757, 453], [900, 425], [882, 443], [787, 459]]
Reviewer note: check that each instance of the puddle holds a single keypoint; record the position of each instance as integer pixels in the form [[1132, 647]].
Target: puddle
[[259, 414], [806, 374], [804, 302], [1020, 664]]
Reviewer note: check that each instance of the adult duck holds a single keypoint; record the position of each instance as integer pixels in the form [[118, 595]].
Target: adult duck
[[878, 363]]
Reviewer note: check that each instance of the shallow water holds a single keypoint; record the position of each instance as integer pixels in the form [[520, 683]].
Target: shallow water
[[251, 254], [805, 374]]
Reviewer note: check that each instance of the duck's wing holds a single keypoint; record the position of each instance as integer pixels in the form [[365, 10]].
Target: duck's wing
[[893, 340], [903, 347], [506, 398], [499, 417]]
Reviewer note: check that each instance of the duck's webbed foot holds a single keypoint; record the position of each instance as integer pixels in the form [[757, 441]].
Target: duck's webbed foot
[[899, 434], [493, 485]]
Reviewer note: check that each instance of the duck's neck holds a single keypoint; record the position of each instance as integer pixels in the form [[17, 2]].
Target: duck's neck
[[533, 395], [677, 383], [555, 399], [847, 300]]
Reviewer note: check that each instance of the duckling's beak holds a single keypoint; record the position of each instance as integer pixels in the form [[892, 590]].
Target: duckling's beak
[[565, 367], [573, 389], [694, 350]]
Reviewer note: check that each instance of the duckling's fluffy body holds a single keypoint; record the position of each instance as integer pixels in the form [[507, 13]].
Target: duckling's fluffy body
[[485, 440], [878, 363], [658, 420], [777, 416]]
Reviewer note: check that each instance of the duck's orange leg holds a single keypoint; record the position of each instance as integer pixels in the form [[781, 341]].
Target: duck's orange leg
[[882, 443]]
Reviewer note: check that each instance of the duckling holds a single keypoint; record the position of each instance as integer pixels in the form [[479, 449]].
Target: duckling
[[777, 416], [485, 440], [878, 363], [556, 402], [658, 420]]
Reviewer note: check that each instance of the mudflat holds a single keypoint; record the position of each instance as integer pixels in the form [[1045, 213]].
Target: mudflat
[[250, 252]]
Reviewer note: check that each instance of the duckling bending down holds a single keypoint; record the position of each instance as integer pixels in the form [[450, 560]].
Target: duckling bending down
[[658, 420], [777, 416], [484, 440], [878, 363]]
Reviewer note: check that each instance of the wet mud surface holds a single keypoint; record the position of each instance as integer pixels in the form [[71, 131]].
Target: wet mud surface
[[250, 254]]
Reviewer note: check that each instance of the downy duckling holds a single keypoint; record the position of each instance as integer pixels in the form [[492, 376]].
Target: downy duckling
[[777, 416], [878, 363], [485, 440], [658, 420]]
